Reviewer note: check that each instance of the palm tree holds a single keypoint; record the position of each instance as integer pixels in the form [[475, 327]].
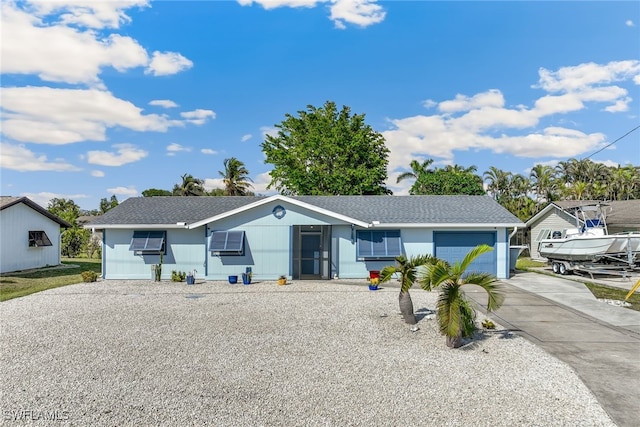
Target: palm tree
[[543, 182], [455, 313], [498, 182], [235, 177], [190, 187], [406, 268], [417, 170]]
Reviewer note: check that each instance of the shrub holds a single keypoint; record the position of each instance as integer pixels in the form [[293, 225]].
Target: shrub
[[178, 276], [89, 276]]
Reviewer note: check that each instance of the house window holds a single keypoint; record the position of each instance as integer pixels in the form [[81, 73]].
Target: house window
[[148, 241], [227, 242], [38, 238], [379, 244]]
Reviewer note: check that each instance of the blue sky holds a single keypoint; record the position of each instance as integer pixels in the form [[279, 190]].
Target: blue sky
[[103, 98]]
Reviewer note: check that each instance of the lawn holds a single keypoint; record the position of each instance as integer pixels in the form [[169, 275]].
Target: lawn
[[21, 283]]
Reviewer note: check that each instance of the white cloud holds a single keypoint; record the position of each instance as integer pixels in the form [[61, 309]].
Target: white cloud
[[629, 23], [166, 63], [269, 130], [97, 174], [483, 122], [21, 159], [211, 183], [198, 116], [208, 151], [44, 197], [358, 12], [63, 116], [60, 53], [89, 13], [429, 103], [125, 153], [491, 98], [260, 184], [165, 103], [123, 191], [174, 148], [246, 137]]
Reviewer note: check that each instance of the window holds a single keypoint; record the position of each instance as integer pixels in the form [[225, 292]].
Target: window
[[38, 238], [379, 244], [148, 241], [227, 242]]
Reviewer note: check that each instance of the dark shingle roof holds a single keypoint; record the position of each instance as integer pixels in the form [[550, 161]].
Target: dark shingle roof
[[385, 209]]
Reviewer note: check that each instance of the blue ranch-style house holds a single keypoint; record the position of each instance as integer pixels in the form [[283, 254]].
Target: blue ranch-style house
[[301, 237]]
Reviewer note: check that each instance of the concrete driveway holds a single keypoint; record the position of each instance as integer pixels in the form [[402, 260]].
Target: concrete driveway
[[600, 341]]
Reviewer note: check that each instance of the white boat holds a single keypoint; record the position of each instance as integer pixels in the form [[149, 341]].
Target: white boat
[[590, 242]]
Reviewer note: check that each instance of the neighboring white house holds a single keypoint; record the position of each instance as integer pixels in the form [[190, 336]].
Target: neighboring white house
[[29, 235], [301, 237], [621, 216]]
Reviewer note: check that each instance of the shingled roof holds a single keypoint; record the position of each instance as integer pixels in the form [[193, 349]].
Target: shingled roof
[[623, 213], [170, 210]]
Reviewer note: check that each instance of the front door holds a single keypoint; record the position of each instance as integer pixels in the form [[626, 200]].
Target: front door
[[310, 255]]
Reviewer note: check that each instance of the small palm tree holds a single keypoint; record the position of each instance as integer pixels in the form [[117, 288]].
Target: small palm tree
[[236, 178], [455, 313], [407, 269]]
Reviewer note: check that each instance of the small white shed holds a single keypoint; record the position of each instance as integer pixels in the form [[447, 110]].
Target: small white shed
[[29, 235]]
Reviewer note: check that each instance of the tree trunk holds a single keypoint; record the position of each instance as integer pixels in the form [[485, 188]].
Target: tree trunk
[[406, 308], [454, 342]]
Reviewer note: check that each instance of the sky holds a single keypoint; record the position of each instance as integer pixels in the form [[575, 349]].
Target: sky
[[102, 98]]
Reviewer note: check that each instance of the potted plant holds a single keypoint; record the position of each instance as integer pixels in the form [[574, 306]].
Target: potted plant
[[178, 276], [282, 280], [233, 279], [191, 277], [373, 283], [246, 277]]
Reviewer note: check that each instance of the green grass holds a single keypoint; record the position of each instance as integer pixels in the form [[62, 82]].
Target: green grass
[[21, 283], [525, 263], [600, 291]]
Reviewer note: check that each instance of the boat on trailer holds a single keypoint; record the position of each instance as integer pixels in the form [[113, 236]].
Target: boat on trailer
[[589, 246]]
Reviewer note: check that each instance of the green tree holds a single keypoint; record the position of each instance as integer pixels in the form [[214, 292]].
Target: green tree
[[74, 239], [456, 315], [105, 204], [450, 182], [190, 186], [406, 269], [151, 192], [236, 178], [418, 170], [324, 151]]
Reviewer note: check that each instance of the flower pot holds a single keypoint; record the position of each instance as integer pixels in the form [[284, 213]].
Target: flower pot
[[373, 287], [246, 279], [233, 279], [282, 282], [191, 280]]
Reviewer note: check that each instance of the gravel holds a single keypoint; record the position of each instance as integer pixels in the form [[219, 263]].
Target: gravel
[[118, 353]]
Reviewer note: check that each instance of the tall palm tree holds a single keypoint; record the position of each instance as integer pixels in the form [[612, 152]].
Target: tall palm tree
[[417, 170], [498, 182], [455, 312], [406, 268], [543, 182], [190, 187], [235, 177]]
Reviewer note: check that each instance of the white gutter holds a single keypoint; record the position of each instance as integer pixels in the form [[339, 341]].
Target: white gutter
[[515, 230]]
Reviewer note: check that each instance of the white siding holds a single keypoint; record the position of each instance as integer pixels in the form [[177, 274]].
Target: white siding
[[555, 220], [15, 254]]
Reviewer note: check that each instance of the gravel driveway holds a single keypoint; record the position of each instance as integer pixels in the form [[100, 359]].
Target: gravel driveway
[[116, 353]]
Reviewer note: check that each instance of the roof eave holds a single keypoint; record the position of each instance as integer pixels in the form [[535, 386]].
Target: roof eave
[[447, 225], [135, 226], [279, 197]]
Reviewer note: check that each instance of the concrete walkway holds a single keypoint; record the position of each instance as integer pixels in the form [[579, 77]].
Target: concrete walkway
[[601, 342]]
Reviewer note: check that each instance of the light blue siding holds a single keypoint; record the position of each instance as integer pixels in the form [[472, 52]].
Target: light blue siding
[[185, 252]]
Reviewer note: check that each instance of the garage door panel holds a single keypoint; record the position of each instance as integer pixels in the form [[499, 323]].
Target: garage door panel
[[453, 246]]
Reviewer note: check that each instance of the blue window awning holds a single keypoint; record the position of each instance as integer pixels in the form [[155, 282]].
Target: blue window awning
[[148, 241], [227, 241]]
